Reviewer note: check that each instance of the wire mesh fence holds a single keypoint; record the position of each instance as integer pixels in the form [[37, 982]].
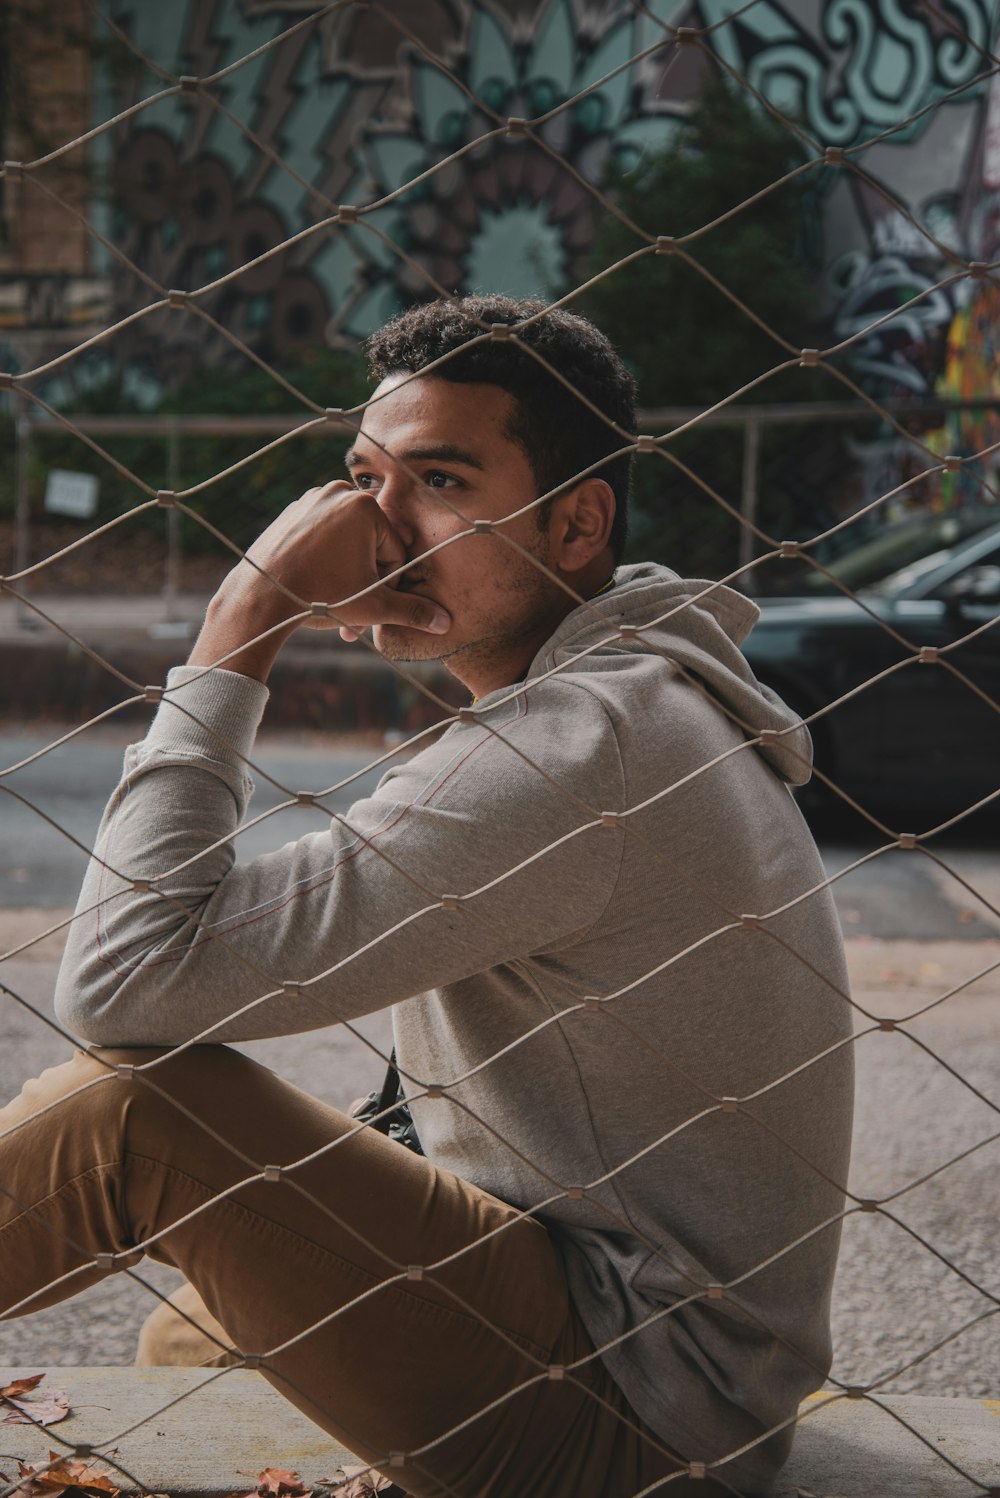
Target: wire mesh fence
[[782, 467], [163, 916]]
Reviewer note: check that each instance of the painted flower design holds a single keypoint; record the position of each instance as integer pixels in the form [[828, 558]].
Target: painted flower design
[[510, 213]]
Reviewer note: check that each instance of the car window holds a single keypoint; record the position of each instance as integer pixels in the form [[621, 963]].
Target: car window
[[888, 587], [905, 578], [954, 586], [878, 563]]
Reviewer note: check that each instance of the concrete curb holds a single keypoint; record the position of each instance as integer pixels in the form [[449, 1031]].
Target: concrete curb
[[204, 1433], [191, 1431], [859, 1448]]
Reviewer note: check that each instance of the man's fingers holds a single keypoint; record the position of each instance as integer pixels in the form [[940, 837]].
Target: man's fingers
[[413, 611], [389, 606]]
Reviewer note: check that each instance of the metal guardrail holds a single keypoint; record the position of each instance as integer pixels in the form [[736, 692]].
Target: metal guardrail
[[752, 419]]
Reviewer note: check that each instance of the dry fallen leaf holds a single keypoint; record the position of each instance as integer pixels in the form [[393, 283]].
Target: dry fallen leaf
[[363, 1482], [44, 1407], [281, 1483], [276, 1482], [64, 1475], [21, 1386]]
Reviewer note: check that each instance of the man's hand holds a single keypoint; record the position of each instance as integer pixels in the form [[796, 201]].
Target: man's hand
[[326, 547]]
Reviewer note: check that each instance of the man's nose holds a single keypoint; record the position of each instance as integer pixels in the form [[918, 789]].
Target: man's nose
[[395, 500]]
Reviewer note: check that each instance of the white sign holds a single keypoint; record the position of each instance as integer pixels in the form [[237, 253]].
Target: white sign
[[71, 493]]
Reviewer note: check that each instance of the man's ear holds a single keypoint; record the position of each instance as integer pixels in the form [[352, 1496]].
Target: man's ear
[[580, 523]]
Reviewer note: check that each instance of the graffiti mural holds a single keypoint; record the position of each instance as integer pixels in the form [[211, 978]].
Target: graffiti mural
[[195, 201], [512, 215], [850, 71], [359, 113], [972, 373]]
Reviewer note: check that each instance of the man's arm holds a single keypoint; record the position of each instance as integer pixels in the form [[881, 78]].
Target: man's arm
[[174, 941]]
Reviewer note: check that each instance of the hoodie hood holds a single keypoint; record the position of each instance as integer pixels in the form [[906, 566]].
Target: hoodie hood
[[699, 626]]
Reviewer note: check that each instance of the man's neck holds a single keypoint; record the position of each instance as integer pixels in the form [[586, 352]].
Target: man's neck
[[490, 666]]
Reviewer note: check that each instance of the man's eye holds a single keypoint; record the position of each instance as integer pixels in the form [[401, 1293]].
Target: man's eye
[[363, 480], [438, 480]]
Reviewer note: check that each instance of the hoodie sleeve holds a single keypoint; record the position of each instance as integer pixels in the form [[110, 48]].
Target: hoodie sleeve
[[467, 857]]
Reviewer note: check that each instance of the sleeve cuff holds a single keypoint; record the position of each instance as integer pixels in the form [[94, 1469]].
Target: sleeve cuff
[[210, 713]]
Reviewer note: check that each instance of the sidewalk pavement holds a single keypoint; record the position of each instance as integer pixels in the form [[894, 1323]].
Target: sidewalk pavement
[[192, 1433]]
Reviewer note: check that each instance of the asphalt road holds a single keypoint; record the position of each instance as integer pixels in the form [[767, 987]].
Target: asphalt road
[[927, 1094]]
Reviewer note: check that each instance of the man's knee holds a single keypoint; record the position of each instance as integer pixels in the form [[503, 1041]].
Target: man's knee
[[53, 1088], [77, 1077], [181, 1332], [104, 1101], [169, 1084]]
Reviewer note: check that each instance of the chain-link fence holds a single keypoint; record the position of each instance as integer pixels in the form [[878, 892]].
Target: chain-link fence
[[767, 500], [782, 467]]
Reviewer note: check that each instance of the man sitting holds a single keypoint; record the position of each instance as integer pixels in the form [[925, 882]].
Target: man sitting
[[614, 1260]]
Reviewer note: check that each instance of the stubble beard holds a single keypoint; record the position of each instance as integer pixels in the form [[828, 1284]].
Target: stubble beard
[[398, 643], [402, 644], [395, 642]]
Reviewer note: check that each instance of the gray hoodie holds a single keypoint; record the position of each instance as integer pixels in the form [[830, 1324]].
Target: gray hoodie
[[639, 990]]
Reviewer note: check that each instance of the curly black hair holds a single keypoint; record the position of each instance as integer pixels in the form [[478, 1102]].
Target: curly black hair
[[562, 430]]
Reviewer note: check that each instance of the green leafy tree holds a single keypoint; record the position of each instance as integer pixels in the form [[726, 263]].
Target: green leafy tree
[[684, 340]]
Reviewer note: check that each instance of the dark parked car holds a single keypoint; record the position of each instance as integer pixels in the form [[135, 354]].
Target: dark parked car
[[920, 736]]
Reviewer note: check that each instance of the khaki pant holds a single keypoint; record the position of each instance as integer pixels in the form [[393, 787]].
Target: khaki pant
[[183, 1333], [402, 1309]]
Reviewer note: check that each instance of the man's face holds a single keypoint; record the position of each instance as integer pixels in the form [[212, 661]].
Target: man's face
[[426, 450]]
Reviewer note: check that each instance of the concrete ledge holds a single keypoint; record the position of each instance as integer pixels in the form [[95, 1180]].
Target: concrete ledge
[[207, 1433], [178, 1431], [850, 1448]]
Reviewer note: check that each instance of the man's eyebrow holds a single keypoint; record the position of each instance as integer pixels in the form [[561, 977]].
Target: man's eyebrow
[[441, 452]]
